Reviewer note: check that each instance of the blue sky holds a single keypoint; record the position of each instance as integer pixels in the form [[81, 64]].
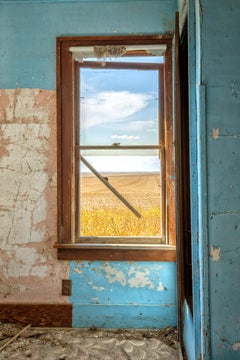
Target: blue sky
[[119, 106]]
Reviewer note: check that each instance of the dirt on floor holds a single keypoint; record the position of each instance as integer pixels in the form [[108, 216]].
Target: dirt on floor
[[21, 342]]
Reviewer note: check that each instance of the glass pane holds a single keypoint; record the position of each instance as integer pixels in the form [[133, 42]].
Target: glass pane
[[120, 190], [135, 179], [118, 107]]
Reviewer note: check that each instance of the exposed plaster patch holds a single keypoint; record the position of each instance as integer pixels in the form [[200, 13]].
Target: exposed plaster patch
[[24, 105], [28, 198], [26, 135], [161, 287], [115, 275], [26, 262], [96, 300], [77, 270], [78, 266], [234, 88], [140, 279], [97, 288], [215, 253], [236, 346], [215, 134]]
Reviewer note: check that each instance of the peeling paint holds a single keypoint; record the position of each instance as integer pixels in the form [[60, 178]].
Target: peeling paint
[[215, 134], [96, 300], [26, 262], [160, 287], [28, 197], [77, 270], [115, 275], [98, 288], [140, 279], [234, 86], [236, 346], [215, 253]]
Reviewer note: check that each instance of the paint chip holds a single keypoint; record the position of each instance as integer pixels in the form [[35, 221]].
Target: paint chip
[[215, 134], [140, 279], [115, 275], [215, 253], [98, 288], [236, 346], [160, 287]]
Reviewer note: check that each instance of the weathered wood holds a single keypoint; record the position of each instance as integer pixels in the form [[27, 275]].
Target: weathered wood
[[116, 254], [120, 240], [120, 147], [169, 150], [57, 315], [67, 136], [14, 337]]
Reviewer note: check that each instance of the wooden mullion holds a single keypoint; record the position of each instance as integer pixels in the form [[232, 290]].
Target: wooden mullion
[[66, 140], [169, 153], [120, 147], [118, 40], [76, 152], [59, 142], [121, 65]]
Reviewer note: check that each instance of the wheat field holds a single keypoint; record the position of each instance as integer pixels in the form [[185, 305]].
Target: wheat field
[[103, 214]]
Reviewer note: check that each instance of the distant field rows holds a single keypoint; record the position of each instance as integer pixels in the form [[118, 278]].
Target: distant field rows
[[140, 190]]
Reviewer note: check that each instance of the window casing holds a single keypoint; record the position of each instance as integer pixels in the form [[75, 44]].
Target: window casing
[[70, 245]]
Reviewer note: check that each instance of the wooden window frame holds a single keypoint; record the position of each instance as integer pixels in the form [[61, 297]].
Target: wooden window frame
[[67, 248]]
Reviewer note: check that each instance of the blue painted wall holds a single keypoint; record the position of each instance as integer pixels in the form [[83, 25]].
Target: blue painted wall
[[28, 31], [221, 75], [146, 295], [123, 295], [216, 98]]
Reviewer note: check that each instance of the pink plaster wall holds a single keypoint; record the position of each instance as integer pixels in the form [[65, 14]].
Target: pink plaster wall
[[30, 271]]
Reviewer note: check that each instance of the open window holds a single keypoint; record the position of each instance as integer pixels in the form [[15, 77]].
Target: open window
[[115, 148]]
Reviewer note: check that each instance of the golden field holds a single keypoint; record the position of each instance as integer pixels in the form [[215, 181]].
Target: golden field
[[103, 214]]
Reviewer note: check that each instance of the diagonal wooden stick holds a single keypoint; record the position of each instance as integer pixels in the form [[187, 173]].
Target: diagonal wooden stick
[[110, 187], [13, 338]]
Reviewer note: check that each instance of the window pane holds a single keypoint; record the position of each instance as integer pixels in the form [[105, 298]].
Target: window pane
[[120, 190], [137, 180], [118, 107]]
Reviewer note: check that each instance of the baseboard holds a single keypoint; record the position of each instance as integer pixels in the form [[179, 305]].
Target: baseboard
[[55, 315]]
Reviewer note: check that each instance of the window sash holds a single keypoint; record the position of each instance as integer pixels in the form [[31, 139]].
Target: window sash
[[66, 244], [160, 147]]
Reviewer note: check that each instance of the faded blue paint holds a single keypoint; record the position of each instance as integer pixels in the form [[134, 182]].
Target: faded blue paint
[[28, 32], [192, 322], [188, 332], [123, 294], [215, 155], [220, 72]]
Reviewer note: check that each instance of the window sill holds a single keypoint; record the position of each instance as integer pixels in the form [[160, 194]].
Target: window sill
[[113, 252]]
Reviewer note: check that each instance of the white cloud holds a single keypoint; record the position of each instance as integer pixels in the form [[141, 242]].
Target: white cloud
[[109, 106], [142, 124], [125, 137]]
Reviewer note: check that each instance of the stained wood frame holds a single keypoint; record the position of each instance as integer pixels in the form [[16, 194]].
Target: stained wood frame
[[67, 112]]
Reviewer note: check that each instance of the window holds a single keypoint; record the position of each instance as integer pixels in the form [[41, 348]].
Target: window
[[115, 148]]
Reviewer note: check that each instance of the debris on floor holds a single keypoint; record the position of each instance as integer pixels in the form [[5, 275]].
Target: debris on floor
[[25, 342]]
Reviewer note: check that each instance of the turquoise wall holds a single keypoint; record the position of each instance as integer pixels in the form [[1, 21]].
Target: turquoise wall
[[217, 126], [123, 294], [146, 297], [28, 31], [221, 75]]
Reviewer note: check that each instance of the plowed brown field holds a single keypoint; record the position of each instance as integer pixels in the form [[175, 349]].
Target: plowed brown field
[[139, 189]]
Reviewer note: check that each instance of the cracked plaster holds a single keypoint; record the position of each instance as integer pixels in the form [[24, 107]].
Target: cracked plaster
[[28, 197]]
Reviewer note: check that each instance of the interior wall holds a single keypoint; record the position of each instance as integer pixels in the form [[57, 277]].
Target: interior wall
[[219, 72], [31, 272]]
